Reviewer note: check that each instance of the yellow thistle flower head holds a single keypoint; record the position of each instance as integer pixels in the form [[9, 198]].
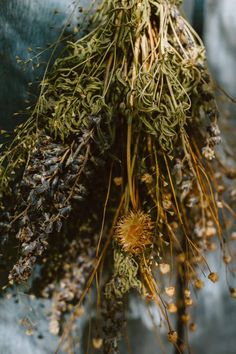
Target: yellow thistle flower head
[[134, 232]]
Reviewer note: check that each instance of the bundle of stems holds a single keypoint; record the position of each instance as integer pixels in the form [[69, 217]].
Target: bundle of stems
[[141, 78]]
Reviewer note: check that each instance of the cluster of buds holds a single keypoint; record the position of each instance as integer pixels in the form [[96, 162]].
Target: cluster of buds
[[53, 184], [76, 267], [212, 140], [114, 321]]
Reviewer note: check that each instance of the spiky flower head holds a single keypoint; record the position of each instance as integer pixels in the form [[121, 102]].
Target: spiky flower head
[[134, 232]]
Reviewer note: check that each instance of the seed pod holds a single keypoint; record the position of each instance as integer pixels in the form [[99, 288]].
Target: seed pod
[[173, 337], [213, 277]]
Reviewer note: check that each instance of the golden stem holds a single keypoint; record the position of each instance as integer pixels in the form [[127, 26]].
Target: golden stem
[[129, 167]]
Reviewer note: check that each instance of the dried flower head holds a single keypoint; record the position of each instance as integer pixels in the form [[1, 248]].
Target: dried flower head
[[134, 232]]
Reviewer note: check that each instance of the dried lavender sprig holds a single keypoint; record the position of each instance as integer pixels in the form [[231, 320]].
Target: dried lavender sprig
[[53, 183]]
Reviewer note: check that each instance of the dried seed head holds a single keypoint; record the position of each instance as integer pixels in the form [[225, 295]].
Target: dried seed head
[[170, 291], [210, 231], [79, 311], [227, 259], [187, 293], [164, 268], [147, 178], [233, 235], [185, 318], [134, 232], [187, 298], [213, 277], [173, 336], [198, 284], [97, 343], [212, 246], [188, 301], [181, 258], [172, 308], [233, 292], [193, 327], [118, 181]]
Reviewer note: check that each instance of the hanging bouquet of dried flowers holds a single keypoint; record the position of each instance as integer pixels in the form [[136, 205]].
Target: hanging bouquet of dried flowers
[[116, 158]]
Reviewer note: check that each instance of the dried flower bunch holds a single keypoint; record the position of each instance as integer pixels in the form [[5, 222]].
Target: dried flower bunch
[[130, 103]]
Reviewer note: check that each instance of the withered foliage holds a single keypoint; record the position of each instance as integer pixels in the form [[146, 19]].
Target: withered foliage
[[118, 157]]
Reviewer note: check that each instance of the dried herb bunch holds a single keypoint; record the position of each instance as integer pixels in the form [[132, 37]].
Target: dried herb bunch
[[135, 93]]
